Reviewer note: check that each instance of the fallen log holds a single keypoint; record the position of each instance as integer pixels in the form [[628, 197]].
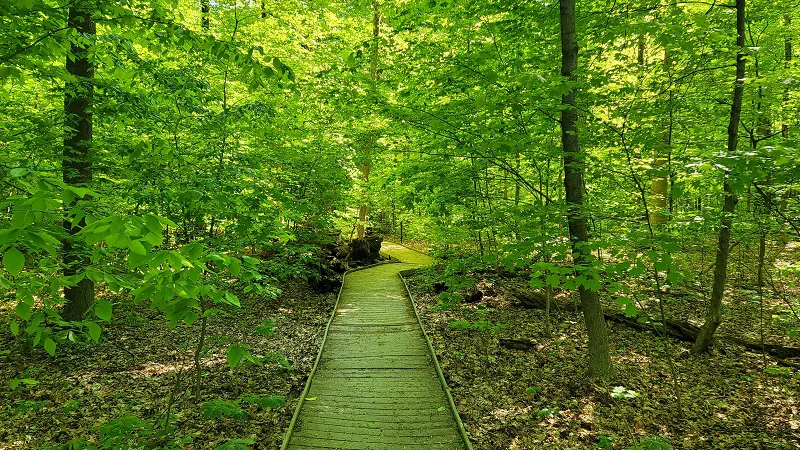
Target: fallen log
[[537, 300], [517, 344], [681, 330]]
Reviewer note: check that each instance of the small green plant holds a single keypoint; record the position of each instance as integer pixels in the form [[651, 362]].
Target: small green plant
[[125, 432], [779, 371], [24, 406], [622, 392], [533, 391], [17, 382], [71, 405], [277, 357], [216, 409], [267, 328], [605, 442], [546, 412], [236, 444], [652, 443], [481, 325], [447, 301], [266, 401]]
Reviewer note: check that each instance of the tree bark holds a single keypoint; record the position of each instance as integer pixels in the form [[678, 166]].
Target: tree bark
[[659, 187], [76, 158], [787, 56], [599, 359], [363, 210], [714, 313], [205, 9]]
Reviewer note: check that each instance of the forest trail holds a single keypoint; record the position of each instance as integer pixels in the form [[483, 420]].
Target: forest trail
[[376, 385]]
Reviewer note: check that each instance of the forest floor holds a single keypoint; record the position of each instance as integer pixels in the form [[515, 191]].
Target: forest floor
[[540, 398], [133, 371]]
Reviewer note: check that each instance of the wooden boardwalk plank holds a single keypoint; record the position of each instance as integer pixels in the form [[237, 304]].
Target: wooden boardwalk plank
[[376, 386]]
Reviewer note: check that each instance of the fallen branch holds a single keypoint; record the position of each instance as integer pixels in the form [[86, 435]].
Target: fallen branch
[[681, 330]]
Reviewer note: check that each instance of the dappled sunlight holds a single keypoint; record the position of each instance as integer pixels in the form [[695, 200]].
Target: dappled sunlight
[[152, 369]]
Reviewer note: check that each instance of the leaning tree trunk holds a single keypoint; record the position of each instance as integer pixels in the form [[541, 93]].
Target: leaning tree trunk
[[77, 163], [599, 359], [714, 313]]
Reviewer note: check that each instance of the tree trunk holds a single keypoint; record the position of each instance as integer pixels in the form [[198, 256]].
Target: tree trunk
[[787, 55], [371, 137], [205, 9], [659, 185], [77, 163], [599, 359], [714, 313]]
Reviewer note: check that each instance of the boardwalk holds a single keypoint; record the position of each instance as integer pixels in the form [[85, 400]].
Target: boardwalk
[[376, 386]]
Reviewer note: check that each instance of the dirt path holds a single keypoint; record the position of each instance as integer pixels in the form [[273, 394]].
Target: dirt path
[[376, 386]]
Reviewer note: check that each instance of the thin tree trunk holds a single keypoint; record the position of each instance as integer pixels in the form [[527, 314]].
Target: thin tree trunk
[[599, 359], [198, 356], [205, 9], [659, 185], [371, 138], [714, 313], [77, 162], [787, 55]]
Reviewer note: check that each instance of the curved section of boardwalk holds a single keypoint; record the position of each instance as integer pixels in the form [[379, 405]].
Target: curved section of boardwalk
[[376, 386]]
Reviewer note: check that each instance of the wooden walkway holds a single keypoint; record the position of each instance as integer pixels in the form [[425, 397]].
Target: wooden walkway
[[375, 385]]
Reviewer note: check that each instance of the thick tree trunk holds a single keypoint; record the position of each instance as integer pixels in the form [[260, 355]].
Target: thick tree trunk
[[714, 313], [77, 163], [599, 359]]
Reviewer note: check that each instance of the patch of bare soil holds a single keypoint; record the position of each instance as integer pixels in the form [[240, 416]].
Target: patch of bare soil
[[134, 368]]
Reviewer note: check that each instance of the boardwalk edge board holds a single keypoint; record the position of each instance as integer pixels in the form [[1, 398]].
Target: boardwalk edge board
[[299, 406]]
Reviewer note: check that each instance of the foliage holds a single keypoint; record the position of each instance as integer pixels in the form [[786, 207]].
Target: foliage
[[480, 325], [216, 409]]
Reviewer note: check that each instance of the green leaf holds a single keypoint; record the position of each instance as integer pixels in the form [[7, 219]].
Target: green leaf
[[235, 267], [14, 327], [235, 355], [103, 309], [14, 261], [94, 331], [137, 247], [24, 310], [232, 299], [50, 346], [152, 223]]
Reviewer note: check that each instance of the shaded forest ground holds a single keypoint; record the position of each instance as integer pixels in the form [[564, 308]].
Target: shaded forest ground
[[539, 398], [133, 369]]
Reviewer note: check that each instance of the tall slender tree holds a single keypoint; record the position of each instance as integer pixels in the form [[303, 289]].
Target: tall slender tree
[[205, 9], [371, 137], [599, 359], [714, 312], [659, 187], [77, 160]]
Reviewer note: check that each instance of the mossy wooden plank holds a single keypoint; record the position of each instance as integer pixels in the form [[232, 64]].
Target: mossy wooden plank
[[376, 386]]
